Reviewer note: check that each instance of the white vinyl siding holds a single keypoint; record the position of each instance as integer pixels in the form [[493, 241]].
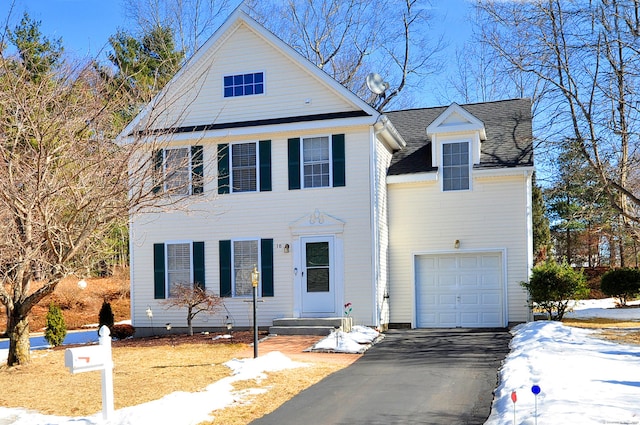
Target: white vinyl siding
[[292, 91], [268, 215], [492, 217]]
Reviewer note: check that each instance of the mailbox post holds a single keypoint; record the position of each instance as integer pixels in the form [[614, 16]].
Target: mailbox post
[[95, 357]]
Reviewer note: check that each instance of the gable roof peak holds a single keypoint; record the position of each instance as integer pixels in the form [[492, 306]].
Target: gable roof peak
[[456, 119]]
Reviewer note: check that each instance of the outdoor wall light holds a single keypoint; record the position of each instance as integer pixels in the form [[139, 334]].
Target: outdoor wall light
[[456, 244], [286, 248]]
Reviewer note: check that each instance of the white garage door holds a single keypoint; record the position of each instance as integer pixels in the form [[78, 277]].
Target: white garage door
[[459, 290]]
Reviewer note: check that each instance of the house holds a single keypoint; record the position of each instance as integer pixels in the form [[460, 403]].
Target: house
[[416, 218]]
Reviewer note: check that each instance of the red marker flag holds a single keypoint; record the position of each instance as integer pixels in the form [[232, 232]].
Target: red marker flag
[[514, 397]]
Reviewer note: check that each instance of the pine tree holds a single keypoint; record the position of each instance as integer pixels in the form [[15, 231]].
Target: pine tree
[[56, 329]]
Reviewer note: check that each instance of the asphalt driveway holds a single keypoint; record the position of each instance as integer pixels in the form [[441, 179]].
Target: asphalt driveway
[[418, 376]]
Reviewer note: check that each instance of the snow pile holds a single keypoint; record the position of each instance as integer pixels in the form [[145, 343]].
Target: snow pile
[[583, 379], [357, 341]]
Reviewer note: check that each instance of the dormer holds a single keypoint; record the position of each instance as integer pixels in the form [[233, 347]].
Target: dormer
[[456, 136]]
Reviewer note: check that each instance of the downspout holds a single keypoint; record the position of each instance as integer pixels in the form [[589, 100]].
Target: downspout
[[382, 125]]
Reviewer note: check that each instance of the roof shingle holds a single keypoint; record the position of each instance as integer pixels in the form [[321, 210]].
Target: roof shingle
[[507, 123]]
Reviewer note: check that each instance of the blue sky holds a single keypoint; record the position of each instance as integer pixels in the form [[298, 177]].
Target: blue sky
[[86, 25]]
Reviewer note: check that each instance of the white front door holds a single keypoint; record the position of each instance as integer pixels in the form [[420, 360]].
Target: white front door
[[318, 276]]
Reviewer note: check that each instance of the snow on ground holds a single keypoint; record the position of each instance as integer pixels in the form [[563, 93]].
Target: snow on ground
[[178, 408], [357, 341], [582, 378]]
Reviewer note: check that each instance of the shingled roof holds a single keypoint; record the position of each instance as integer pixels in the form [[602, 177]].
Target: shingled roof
[[508, 127]]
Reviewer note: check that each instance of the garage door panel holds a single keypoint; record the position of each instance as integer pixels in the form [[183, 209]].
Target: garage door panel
[[462, 290]]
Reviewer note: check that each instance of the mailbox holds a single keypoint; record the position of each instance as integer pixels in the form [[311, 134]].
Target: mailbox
[[87, 359]]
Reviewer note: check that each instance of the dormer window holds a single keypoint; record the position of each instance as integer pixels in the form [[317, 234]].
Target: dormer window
[[455, 166], [243, 84], [456, 136]]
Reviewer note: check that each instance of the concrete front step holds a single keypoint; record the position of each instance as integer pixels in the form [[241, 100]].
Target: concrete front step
[[310, 326]]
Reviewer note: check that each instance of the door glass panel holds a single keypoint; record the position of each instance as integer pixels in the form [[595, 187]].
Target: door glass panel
[[317, 262], [318, 280]]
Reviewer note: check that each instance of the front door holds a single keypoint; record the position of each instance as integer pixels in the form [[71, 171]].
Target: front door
[[318, 276]]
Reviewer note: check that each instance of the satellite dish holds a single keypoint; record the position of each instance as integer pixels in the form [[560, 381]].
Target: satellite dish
[[376, 84]]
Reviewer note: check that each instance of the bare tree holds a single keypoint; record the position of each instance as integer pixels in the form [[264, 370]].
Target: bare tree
[[587, 56], [64, 182], [192, 21], [350, 39], [194, 298]]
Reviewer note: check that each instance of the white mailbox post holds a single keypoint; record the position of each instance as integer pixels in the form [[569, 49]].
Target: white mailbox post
[[95, 357]]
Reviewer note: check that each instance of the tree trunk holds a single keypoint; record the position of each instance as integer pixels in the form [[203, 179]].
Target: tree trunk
[[189, 318], [19, 343]]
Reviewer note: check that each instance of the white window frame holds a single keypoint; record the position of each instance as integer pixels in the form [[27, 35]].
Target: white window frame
[[233, 267], [189, 165], [166, 262], [302, 162], [257, 167], [469, 164]]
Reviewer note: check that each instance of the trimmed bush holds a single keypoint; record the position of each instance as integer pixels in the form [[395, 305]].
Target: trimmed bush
[[622, 284], [552, 286], [56, 329], [122, 331], [105, 316]]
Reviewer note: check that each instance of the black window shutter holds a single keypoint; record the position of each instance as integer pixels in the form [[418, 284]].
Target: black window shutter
[[223, 168], [294, 163], [265, 165], [197, 170], [225, 268], [158, 271], [339, 169], [157, 170], [266, 274], [198, 264]]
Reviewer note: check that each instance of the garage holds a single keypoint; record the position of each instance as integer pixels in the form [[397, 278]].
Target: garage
[[459, 290]]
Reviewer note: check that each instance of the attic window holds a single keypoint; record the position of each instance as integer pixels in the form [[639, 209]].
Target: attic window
[[243, 84]]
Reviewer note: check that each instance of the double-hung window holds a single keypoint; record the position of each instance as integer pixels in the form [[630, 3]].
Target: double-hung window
[[179, 268], [455, 166], [177, 263], [316, 168], [245, 257], [179, 171], [244, 167], [316, 162], [237, 259]]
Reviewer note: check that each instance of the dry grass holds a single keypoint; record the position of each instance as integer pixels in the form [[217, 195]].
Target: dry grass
[[148, 370], [140, 375], [279, 386], [627, 332]]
